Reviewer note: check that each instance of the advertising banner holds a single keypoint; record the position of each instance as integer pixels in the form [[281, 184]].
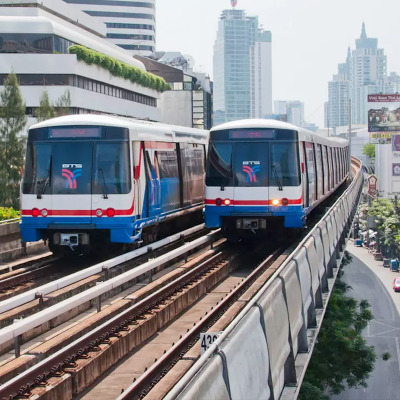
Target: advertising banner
[[383, 115]]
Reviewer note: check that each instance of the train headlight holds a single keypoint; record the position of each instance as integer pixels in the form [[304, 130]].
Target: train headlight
[[35, 212], [110, 212], [99, 212], [275, 202], [44, 212], [218, 201], [285, 202], [227, 202]]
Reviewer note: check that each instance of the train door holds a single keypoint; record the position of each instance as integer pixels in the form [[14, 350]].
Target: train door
[[152, 204], [138, 190], [251, 175], [71, 180]]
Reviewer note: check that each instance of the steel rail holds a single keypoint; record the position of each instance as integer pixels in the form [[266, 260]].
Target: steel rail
[[30, 295], [65, 357], [144, 384]]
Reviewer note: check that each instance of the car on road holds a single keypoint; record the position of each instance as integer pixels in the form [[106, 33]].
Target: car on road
[[396, 284]]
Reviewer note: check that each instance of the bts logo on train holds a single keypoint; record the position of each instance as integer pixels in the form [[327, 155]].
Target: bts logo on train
[[71, 175], [251, 168]]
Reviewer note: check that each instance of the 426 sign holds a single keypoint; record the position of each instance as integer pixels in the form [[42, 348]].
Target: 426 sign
[[207, 339]]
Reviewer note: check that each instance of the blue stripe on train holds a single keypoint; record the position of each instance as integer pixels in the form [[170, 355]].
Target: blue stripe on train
[[293, 215]]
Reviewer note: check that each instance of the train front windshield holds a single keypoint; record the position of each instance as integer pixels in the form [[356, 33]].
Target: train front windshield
[[253, 157], [89, 161]]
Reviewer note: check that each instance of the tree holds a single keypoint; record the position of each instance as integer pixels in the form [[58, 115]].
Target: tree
[[45, 110], [63, 104], [12, 122], [369, 150], [387, 220], [341, 355]]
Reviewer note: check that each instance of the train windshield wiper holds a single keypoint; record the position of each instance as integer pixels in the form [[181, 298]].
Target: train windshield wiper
[[275, 172], [105, 195], [47, 180], [227, 177]]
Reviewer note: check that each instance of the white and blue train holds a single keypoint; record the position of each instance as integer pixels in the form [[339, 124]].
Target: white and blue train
[[92, 180], [266, 175]]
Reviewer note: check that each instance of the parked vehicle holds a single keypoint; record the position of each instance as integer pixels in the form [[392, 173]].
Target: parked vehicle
[[394, 264], [396, 284]]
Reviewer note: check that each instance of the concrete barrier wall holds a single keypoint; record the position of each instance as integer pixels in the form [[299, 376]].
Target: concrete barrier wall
[[12, 246], [266, 349]]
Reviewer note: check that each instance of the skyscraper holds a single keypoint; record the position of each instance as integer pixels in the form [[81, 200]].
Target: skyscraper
[[368, 74], [130, 24], [363, 73], [242, 68]]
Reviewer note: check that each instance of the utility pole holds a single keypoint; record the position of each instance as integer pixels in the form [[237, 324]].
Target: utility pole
[[350, 140]]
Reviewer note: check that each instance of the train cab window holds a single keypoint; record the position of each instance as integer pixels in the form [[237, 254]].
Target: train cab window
[[72, 168], [251, 164], [111, 168], [37, 176], [219, 164], [284, 164]]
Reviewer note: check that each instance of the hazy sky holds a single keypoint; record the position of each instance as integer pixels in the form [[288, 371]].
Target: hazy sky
[[309, 39]]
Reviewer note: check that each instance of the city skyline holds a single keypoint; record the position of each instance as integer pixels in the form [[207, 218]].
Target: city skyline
[[309, 39]]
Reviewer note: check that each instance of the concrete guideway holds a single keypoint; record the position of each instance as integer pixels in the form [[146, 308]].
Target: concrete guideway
[[287, 312]]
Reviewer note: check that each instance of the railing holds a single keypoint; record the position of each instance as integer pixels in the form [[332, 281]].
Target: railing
[[271, 341]]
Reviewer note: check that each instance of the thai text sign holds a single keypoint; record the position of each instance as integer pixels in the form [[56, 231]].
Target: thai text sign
[[372, 185]]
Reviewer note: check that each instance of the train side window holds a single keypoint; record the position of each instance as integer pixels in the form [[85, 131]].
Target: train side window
[[326, 169], [335, 157], [168, 162], [332, 167]]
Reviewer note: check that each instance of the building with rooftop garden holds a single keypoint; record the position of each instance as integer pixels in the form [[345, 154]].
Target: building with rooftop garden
[[35, 38]]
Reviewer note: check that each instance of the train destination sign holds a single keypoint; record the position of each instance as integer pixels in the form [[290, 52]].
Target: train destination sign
[[72, 132]]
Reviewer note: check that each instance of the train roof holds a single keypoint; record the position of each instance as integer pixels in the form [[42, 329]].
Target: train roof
[[304, 134], [141, 130]]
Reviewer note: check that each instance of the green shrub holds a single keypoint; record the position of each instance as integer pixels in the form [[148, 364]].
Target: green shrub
[[8, 213], [118, 68]]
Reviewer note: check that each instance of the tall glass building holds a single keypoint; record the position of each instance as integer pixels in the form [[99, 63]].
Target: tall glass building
[[242, 69], [130, 24]]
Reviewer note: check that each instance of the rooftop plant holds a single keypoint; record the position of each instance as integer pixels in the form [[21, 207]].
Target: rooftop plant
[[119, 68]]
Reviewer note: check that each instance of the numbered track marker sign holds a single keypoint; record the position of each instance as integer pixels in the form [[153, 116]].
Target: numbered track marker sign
[[207, 339]]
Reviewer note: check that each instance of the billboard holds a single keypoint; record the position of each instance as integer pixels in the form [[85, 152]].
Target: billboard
[[383, 115]]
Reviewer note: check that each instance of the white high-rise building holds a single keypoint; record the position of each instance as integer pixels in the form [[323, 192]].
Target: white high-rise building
[[363, 73], [129, 24], [367, 75], [242, 69], [261, 75]]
